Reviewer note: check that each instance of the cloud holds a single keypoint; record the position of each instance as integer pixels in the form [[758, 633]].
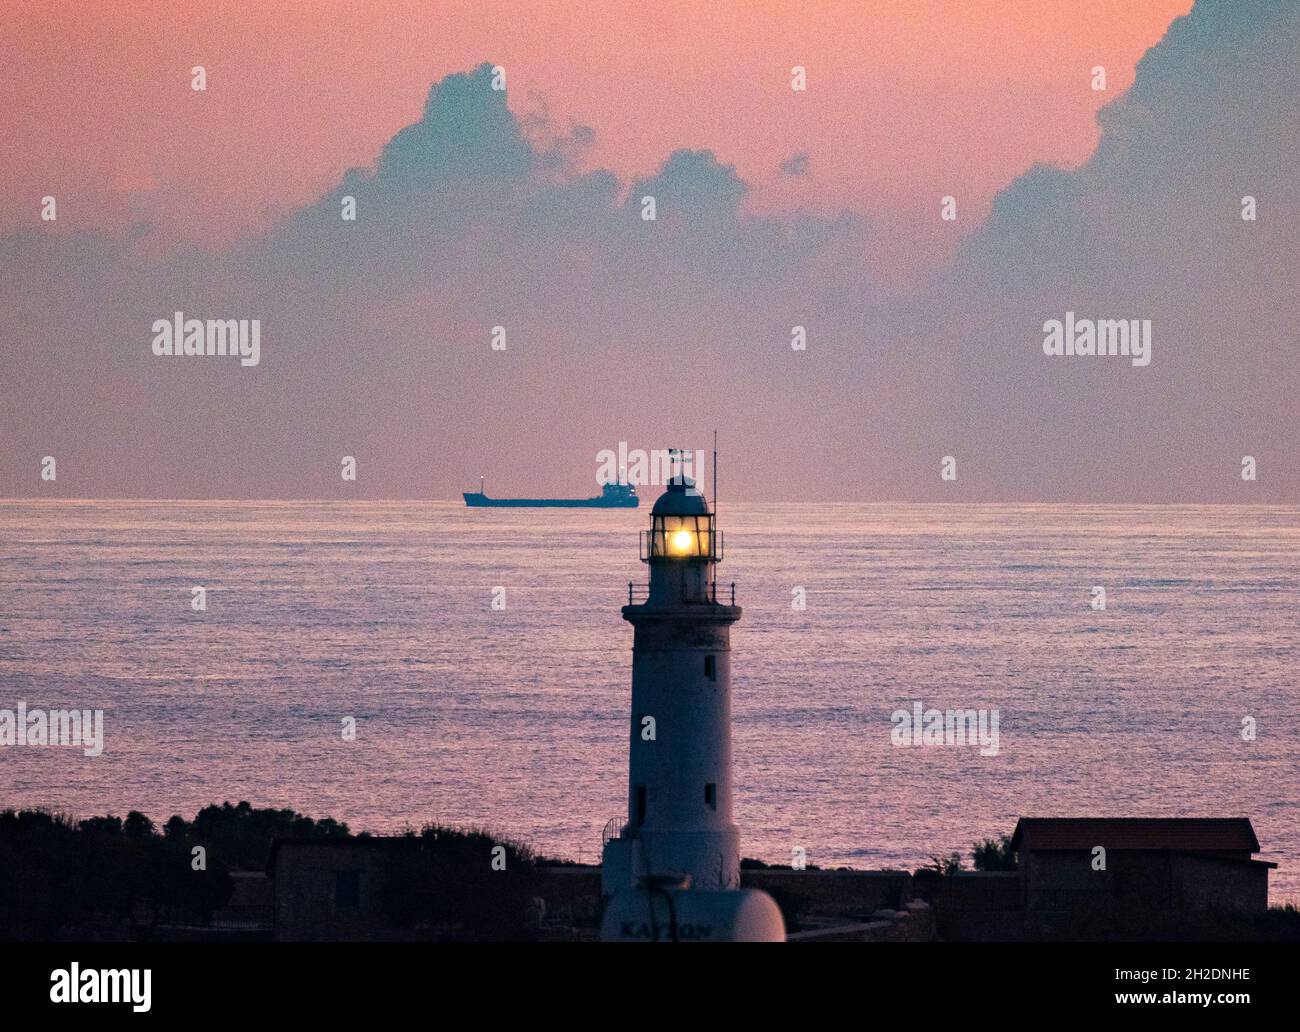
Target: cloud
[[1149, 227], [376, 331], [796, 164], [466, 132]]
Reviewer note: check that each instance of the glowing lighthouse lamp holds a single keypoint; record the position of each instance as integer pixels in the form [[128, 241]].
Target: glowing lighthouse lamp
[[673, 870]]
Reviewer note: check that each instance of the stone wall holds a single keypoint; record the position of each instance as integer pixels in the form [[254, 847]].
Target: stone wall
[[975, 906], [810, 897], [1213, 884], [914, 923], [573, 902], [306, 886], [869, 906], [827, 906]]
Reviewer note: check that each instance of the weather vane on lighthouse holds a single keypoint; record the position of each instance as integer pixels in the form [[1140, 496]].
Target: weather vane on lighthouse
[[673, 870]]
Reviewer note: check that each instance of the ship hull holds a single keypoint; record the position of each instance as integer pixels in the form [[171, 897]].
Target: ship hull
[[475, 499]]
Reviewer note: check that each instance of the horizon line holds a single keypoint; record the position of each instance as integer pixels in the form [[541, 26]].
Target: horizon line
[[806, 501]]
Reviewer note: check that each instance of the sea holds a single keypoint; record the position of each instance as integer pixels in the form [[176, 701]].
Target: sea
[[481, 657]]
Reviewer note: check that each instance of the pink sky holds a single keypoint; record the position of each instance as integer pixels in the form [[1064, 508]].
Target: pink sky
[[489, 208], [906, 102]]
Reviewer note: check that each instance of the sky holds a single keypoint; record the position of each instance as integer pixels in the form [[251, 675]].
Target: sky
[[776, 208]]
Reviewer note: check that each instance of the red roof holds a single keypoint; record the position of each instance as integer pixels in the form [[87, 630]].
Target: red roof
[[1200, 834]]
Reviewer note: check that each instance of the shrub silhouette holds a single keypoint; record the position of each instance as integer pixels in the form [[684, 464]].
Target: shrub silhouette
[[241, 835], [443, 881], [994, 854], [98, 876]]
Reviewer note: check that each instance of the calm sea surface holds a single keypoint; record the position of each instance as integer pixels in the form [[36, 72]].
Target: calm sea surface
[[516, 720]]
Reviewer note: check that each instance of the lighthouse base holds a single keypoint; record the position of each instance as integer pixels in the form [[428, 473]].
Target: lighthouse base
[[656, 914], [710, 858], [618, 862]]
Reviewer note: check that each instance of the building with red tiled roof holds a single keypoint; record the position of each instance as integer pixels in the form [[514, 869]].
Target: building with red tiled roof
[[1208, 834], [1166, 864]]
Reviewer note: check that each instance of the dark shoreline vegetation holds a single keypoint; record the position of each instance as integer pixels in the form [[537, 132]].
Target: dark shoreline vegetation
[[116, 878], [127, 878]]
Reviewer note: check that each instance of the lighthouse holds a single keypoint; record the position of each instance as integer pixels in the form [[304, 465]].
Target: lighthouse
[[673, 869]]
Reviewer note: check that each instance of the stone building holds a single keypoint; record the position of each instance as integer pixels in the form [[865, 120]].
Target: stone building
[[1168, 864], [329, 889], [355, 889]]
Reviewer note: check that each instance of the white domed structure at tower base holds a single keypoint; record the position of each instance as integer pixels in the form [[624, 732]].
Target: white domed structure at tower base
[[680, 914]]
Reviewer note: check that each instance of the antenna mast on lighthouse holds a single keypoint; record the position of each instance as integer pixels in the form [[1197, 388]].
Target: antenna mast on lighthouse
[[715, 504]]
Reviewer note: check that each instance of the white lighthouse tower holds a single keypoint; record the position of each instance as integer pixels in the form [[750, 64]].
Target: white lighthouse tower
[[680, 844]]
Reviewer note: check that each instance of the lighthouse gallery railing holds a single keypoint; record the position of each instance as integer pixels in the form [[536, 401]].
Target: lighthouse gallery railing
[[638, 593]]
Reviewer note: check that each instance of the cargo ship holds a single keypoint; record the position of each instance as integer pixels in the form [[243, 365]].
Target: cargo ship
[[612, 496]]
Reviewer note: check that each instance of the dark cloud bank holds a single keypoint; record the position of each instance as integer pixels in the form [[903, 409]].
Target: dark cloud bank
[[375, 333]]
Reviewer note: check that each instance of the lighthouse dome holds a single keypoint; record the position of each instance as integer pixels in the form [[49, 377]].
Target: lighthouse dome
[[682, 498]]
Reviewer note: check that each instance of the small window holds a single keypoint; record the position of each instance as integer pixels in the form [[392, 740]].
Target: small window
[[711, 796], [640, 805], [711, 667], [347, 889]]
